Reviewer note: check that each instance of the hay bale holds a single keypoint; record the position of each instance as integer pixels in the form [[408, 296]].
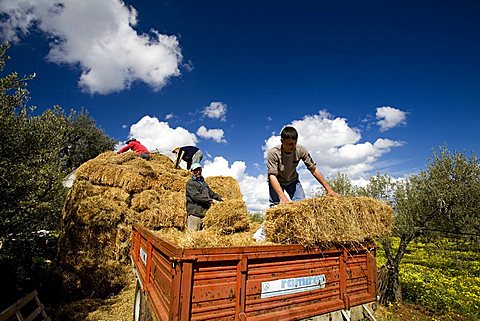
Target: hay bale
[[173, 181], [227, 217], [161, 208], [162, 160], [145, 200], [226, 186], [168, 211], [323, 220], [231, 215], [132, 176]]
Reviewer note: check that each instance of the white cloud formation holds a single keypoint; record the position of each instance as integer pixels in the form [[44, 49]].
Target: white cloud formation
[[254, 189], [169, 116], [335, 147], [158, 135], [214, 134], [97, 36], [216, 109], [389, 117]]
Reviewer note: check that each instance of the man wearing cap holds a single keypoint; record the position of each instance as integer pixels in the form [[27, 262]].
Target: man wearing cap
[[138, 148], [189, 154], [199, 198]]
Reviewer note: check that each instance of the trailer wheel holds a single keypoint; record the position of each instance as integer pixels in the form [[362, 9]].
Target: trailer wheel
[[141, 311]]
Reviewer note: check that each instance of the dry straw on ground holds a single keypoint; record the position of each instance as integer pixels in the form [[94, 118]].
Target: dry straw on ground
[[327, 220]]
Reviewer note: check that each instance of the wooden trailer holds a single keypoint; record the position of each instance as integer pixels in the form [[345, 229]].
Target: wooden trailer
[[281, 282]]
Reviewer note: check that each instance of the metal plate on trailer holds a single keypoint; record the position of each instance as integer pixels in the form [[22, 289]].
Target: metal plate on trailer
[[292, 285]]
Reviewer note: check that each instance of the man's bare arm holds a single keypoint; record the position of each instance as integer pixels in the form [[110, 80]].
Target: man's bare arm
[[277, 188], [319, 177]]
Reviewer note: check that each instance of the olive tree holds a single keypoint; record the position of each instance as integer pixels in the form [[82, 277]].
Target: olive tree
[[36, 152], [342, 185], [83, 140], [444, 197]]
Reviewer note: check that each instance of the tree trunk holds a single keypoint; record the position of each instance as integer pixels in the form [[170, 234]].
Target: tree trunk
[[389, 289]]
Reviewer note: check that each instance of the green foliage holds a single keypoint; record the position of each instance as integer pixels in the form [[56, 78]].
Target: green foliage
[[342, 185], [380, 186], [443, 280], [442, 277], [442, 198], [83, 140], [256, 217], [451, 186], [30, 173], [36, 151]]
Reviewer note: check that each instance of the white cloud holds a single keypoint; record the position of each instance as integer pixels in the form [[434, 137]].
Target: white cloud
[[254, 189], [335, 147], [220, 167], [158, 135], [319, 133], [169, 116], [389, 117], [216, 109], [214, 134], [97, 36]]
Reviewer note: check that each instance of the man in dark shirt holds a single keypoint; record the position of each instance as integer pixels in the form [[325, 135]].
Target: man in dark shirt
[[199, 198], [190, 154]]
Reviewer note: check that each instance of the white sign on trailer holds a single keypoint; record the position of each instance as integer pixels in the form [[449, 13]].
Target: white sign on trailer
[[292, 285], [143, 256]]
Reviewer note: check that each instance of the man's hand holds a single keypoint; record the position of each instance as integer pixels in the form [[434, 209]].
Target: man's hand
[[332, 193], [278, 189], [319, 177], [283, 199]]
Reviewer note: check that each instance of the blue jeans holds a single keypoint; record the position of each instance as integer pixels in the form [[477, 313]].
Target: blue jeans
[[294, 190], [197, 157]]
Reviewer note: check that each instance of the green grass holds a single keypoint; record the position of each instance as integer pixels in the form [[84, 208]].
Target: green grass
[[444, 279]]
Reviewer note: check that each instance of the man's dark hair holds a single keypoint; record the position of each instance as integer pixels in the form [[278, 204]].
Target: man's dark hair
[[289, 132]]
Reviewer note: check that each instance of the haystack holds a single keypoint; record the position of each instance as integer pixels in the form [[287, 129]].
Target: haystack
[[327, 220], [110, 193]]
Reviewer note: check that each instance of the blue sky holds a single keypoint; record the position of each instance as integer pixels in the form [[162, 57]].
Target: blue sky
[[370, 86]]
